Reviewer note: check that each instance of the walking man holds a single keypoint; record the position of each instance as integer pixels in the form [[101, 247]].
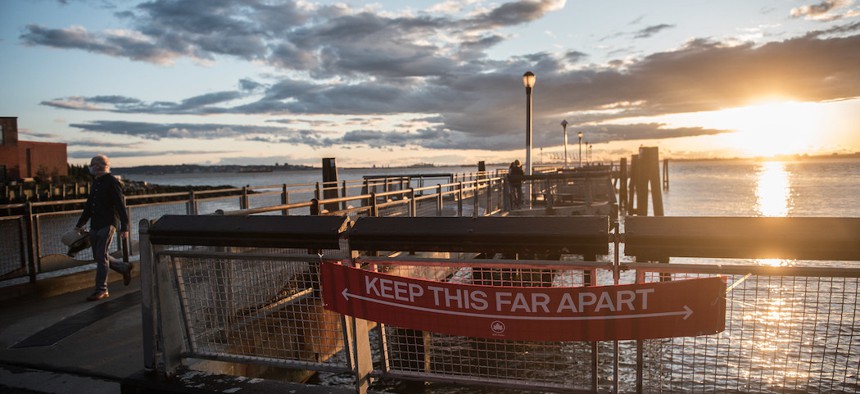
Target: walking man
[[105, 210]]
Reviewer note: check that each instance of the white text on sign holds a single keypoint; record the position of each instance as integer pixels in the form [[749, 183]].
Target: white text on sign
[[607, 300]]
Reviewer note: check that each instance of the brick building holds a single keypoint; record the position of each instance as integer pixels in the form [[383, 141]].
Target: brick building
[[28, 159]]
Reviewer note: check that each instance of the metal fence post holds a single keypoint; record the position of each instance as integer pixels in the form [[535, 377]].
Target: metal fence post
[[125, 243], [31, 222], [169, 329], [343, 194], [285, 199], [245, 202], [148, 302], [439, 200], [460, 198], [192, 203], [489, 189], [476, 198], [22, 243]]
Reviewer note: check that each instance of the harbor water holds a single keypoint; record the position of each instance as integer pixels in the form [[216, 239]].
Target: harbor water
[[810, 187]]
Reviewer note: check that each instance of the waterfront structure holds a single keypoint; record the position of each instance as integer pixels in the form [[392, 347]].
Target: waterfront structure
[[28, 159]]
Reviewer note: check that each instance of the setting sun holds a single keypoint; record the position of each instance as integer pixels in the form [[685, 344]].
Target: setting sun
[[774, 128]]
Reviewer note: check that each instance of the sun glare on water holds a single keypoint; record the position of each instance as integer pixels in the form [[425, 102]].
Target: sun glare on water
[[773, 197], [774, 128]]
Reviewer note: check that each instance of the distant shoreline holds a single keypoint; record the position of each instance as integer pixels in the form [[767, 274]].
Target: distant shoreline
[[203, 169]]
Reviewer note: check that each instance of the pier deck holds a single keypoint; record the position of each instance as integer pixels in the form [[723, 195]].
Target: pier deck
[[63, 344]]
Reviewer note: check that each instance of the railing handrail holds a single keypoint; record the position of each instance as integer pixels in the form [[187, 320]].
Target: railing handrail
[[252, 211]]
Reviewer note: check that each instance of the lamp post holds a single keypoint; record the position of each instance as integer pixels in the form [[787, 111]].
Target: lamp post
[[586, 153], [564, 127], [529, 83], [580, 149], [588, 156]]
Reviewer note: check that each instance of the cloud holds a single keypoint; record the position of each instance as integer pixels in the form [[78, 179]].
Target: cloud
[[157, 131], [515, 13], [116, 153], [116, 43], [651, 30], [91, 142], [30, 133], [828, 10], [200, 105], [326, 41], [346, 62]]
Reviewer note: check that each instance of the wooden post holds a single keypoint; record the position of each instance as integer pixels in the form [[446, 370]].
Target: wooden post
[[650, 172], [365, 190], [329, 175], [374, 207], [631, 193], [665, 174], [642, 184], [315, 207], [622, 183]]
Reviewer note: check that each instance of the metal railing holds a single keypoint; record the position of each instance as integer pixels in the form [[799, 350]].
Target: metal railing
[[33, 248], [787, 328], [257, 307]]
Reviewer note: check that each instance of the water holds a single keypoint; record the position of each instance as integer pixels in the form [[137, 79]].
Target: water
[[812, 187], [237, 179]]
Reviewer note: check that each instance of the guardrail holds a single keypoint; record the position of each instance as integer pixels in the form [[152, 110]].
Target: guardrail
[[789, 328]]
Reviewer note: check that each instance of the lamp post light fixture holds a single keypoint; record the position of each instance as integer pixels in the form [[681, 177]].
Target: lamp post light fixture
[[564, 127], [580, 149], [529, 83]]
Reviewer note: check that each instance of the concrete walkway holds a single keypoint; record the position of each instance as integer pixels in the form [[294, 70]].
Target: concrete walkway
[[61, 343], [64, 344]]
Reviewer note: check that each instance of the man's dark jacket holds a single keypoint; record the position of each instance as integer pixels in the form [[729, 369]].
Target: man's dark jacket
[[105, 205]]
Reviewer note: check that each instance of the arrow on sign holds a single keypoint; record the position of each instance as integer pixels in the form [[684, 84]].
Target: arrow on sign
[[687, 312]]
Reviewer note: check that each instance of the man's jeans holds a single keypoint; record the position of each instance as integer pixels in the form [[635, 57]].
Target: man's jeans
[[101, 241]]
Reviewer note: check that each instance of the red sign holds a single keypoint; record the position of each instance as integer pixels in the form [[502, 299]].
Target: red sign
[[600, 313]]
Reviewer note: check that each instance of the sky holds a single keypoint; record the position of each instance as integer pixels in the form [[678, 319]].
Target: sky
[[403, 82]]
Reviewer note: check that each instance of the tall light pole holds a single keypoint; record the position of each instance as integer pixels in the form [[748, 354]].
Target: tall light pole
[[564, 127], [580, 149], [529, 83], [588, 155]]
